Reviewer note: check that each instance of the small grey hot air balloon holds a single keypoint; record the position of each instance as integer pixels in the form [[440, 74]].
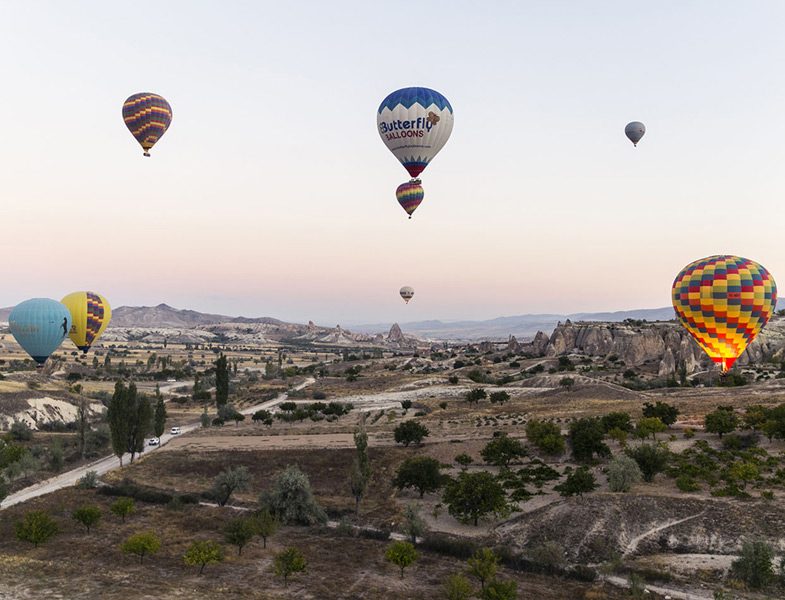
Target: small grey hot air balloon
[[635, 131], [407, 293]]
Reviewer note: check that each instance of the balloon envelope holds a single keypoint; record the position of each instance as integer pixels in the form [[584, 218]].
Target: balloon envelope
[[407, 293], [39, 326], [723, 302], [634, 131], [414, 124], [90, 315], [147, 117], [410, 195]]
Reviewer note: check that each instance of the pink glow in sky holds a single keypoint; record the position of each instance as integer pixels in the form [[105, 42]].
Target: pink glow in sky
[[273, 195]]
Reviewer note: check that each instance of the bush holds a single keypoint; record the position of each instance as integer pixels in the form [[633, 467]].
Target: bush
[[20, 431], [623, 473], [475, 395], [685, 483], [381, 535], [448, 545], [410, 432], [499, 397], [145, 494], [88, 481], [319, 395], [288, 562], [453, 379], [651, 459]]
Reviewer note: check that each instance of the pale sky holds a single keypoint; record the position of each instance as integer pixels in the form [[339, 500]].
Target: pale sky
[[273, 195]]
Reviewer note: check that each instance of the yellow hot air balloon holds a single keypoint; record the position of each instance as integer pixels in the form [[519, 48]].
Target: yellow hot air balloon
[[724, 302], [90, 314]]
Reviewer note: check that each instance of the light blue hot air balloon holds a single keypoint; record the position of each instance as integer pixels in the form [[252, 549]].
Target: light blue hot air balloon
[[40, 325]]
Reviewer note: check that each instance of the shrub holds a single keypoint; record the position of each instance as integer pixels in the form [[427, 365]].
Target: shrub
[[499, 397], [203, 553], [685, 483], [475, 395], [651, 459], [88, 481], [410, 432], [141, 544], [448, 545], [753, 566], [623, 473], [381, 535], [20, 431], [319, 395], [288, 562], [502, 450]]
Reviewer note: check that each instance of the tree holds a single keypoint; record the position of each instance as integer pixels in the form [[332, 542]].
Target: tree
[[202, 553], [500, 590], [238, 532], [221, 381], [567, 382], [545, 436], [578, 482], [499, 397], [619, 435], [665, 412], [651, 459], [475, 395], [753, 566], [464, 460], [87, 516], [586, 439], [502, 450], [649, 426], [129, 416], [401, 554], [159, 419], [361, 468], [265, 525], [721, 421], [123, 507], [410, 432], [419, 472], [616, 420], [290, 499], [141, 544], [413, 524], [83, 424], [204, 419], [406, 405], [261, 415], [289, 562], [744, 472], [623, 473], [473, 495], [3, 489], [483, 566], [457, 587], [229, 481], [36, 527]]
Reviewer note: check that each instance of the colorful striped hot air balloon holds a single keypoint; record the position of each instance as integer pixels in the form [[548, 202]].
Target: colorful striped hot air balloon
[[724, 302], [414, 124], [410, 195], [39, 325], [147, 117], [90, 315]]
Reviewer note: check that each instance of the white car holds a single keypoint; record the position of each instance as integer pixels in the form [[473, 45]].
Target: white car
[[174, 431], [153, 442]]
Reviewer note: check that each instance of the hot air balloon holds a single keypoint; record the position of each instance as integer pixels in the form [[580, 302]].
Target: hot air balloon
[[410, 195], [147, 117], [90, 314], [724, 302], [414, 124], [39, 326], [634, 131], [407, 293]]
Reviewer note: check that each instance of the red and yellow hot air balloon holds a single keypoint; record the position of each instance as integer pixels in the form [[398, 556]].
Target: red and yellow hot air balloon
[[723, 302]]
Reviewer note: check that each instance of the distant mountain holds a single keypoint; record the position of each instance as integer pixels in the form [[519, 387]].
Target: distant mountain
[[164, 315], [521, 326]]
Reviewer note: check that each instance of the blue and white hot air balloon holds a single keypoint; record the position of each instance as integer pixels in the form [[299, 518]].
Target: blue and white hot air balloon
[[415, 123], [40, 325]]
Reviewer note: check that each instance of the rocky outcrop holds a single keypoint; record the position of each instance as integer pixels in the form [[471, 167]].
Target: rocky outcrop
[[395, 335], [666, 344]]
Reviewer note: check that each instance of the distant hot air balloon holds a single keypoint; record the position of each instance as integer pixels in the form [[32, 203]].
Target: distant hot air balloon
[[634, 131], [39, 326], [414, 124], [724, 302], [90, 314], [410, 195], [147, 117], [407, 293]]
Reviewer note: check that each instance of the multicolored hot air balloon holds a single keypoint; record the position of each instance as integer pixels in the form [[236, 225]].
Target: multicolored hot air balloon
[[410, 195], [147, 117], [724, 302], [90, 315], [415, 123], [635, 131], [407, 293], [39, 326]]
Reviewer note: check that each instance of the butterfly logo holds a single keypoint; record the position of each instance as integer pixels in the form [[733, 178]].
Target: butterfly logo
[[433, 118]]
